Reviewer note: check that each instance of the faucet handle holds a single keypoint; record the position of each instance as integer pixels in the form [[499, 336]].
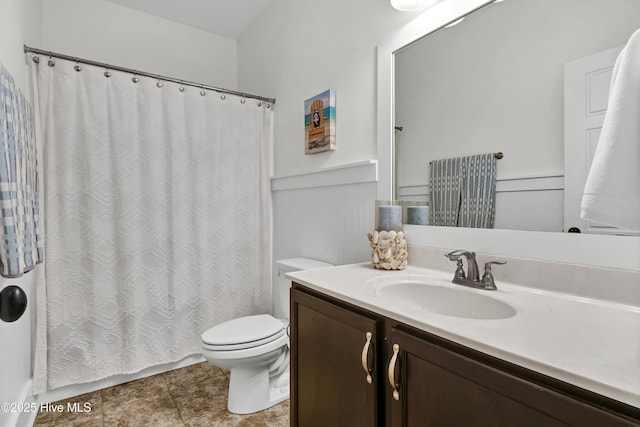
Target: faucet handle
[[488, 264], [487, 278], [455, 255]]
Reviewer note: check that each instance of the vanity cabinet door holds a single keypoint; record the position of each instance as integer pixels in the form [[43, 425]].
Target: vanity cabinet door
[[329, 356], [440, 387]]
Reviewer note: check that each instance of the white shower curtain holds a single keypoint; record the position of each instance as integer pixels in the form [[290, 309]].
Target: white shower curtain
[[157, 219]]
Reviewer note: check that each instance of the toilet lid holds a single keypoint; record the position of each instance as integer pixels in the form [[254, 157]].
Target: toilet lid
[[244, 330]]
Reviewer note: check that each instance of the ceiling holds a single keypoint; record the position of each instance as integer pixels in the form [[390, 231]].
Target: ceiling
[[228, 18]]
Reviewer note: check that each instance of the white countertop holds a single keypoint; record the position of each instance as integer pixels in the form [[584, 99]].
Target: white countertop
[[591, 343]]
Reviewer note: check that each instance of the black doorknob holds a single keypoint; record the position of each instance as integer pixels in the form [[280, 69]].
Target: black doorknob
[[13, 303]]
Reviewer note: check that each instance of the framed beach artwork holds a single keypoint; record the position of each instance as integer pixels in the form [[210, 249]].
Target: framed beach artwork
[[320, 122]]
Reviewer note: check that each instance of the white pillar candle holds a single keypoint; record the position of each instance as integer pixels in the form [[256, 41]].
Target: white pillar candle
[[418, 215], [389, 218]]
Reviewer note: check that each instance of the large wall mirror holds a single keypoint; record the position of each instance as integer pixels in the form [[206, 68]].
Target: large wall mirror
[[496, 81]]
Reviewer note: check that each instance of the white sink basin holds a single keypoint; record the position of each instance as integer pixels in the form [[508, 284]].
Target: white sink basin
[[437, 296]]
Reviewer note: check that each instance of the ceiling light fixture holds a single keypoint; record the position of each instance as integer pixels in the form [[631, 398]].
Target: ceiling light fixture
[[412, 5]]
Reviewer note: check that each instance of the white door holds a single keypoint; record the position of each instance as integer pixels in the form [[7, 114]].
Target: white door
[[586, 92]]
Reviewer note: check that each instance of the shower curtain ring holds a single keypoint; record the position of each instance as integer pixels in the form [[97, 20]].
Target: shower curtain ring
[[242, 100], [77, 67], [135, 79], [51, 62], [181, 88], [107, 73], [202, 92]]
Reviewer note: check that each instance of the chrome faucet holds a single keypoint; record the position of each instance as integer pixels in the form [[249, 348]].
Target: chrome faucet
[[472, 278]]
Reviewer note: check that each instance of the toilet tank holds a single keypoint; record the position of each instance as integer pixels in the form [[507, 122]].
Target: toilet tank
[[281, 284]]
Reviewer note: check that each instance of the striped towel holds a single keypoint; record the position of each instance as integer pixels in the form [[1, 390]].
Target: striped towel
[[463, 191], [444, 206], [21, 244], [478, 192]]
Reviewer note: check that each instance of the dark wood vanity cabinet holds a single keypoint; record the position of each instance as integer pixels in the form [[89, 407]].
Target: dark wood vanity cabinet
[[443, 387], [328, 344], [437, 382]]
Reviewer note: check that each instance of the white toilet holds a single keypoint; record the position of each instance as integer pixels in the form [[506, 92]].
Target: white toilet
[[256, 348]]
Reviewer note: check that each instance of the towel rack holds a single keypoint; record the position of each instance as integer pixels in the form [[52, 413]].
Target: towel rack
[[497, 155]]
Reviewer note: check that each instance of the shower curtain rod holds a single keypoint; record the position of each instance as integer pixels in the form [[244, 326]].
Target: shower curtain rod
[[28, 49]]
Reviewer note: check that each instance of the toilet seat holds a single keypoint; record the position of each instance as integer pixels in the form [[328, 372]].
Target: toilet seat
[[243, 333]]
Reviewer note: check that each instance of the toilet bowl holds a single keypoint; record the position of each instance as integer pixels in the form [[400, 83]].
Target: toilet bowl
[[260, 341], [255, 349]]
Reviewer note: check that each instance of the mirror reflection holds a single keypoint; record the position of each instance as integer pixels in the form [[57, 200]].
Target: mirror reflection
[[513, 77]]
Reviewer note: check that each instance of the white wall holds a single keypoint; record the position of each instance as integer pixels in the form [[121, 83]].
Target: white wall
[[296, 50], [113, 34], [20, 22], [325, 215], [16, 343], [300, 48]]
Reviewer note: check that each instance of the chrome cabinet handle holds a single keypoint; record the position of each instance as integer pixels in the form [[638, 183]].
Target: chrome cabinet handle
[[392, 371], [365, 357]]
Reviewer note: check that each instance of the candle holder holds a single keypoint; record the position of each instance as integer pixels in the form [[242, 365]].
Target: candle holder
[[388, 215], [388, 249], [416, 212], [388, 241]]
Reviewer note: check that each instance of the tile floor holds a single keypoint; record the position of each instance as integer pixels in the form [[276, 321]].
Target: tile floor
[[194, 396]]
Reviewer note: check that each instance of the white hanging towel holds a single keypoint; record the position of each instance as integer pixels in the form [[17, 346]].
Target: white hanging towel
[[612, 191]]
